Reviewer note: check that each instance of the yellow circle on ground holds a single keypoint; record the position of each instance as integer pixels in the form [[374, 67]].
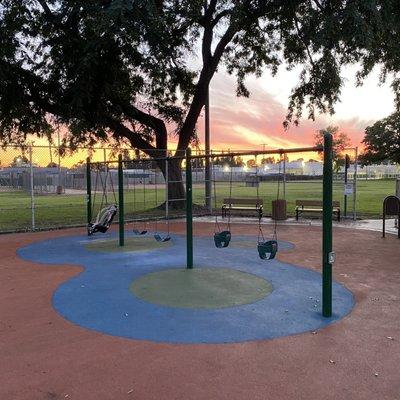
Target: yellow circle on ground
[[203, 288]]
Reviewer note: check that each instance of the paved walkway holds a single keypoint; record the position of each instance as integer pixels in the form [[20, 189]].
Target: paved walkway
[[368, 224]]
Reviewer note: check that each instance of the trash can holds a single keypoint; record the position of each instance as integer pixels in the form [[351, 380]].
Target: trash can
[[279, 209], [60, 189]]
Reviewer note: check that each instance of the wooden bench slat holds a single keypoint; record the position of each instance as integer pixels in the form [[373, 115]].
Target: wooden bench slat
[[240, 207], [315, 209], [248, 204], [315, 206], [315, 203], [234, 200]]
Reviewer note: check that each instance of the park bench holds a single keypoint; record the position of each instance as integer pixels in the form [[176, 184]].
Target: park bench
[[247, 204], [311, 206]]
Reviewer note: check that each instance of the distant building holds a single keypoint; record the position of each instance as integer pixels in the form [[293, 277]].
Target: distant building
[[313, 168]]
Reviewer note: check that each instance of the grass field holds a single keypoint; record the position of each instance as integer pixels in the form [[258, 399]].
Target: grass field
[[53, 211]]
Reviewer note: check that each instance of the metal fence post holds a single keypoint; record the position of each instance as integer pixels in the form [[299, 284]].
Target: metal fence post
[[166, 190], [32, 187], [284, 176], [121, 201], [355, 185], [207, 170], [88, 191], [189, 211], [327, 254]]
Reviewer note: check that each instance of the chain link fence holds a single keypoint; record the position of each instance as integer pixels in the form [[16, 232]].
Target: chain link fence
[[43, 189]]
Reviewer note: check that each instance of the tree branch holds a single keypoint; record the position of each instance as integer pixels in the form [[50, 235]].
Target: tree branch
[[209, 9], [318, 4], [136, 141], [296, 21], [151, 122], [207, 41], [46, 8], [221, 15], [199, 96]]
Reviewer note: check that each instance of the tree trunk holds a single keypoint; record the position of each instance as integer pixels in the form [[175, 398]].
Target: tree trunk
[[176, 188]]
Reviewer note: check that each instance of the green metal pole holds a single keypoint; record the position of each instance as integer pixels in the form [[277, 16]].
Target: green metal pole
[[328, 257], [189, 211], [88, 192], [121, 202]]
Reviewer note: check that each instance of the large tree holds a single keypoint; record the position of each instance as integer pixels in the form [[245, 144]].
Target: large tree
[[340, 142], [382, 141], [137, 70]]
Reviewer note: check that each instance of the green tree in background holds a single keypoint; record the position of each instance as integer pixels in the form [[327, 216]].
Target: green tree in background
[[229, 161], [382, 141], [340, 142], [251, 163], [20, 161], [138, 71], [268, 160]]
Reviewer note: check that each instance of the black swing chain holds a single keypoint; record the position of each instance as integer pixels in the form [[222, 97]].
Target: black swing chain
[[217, 228], [275, 235], [260, 231], [230, 194], [95, 189]]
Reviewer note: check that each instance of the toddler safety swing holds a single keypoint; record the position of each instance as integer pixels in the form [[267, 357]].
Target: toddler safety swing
[[222, 238], [267, 249], [107, 211]]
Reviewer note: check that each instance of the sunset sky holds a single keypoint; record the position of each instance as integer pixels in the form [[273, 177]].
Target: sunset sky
[[247, 123], [240, 123]]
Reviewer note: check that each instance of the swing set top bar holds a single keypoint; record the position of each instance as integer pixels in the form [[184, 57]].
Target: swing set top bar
[[230, 154], [260, 152]]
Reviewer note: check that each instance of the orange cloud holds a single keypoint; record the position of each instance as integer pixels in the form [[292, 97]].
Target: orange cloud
[[248, 123]]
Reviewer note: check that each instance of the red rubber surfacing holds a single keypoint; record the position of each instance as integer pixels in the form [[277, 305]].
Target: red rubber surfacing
[[45, 357]]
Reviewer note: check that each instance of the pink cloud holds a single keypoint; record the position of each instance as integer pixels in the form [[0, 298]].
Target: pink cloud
[[246, 123]]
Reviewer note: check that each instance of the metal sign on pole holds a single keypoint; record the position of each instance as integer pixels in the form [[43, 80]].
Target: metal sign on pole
[[348, 191]]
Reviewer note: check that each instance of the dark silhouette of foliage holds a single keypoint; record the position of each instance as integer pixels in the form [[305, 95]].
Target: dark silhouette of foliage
[[382, 141], [126, 70]]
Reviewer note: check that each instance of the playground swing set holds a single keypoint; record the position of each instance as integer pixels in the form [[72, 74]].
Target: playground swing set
[[267, 249], [107, 211], [222, 238]]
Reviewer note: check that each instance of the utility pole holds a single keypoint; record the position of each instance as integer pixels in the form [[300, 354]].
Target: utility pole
[[207, 175]]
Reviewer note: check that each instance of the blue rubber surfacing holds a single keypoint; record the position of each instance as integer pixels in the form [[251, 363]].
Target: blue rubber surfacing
[[99, 298]]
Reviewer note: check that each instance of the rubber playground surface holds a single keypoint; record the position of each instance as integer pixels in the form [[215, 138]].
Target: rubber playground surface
[[80, 320]]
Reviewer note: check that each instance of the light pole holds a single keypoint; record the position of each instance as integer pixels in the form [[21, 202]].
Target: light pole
[[207, 175]]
